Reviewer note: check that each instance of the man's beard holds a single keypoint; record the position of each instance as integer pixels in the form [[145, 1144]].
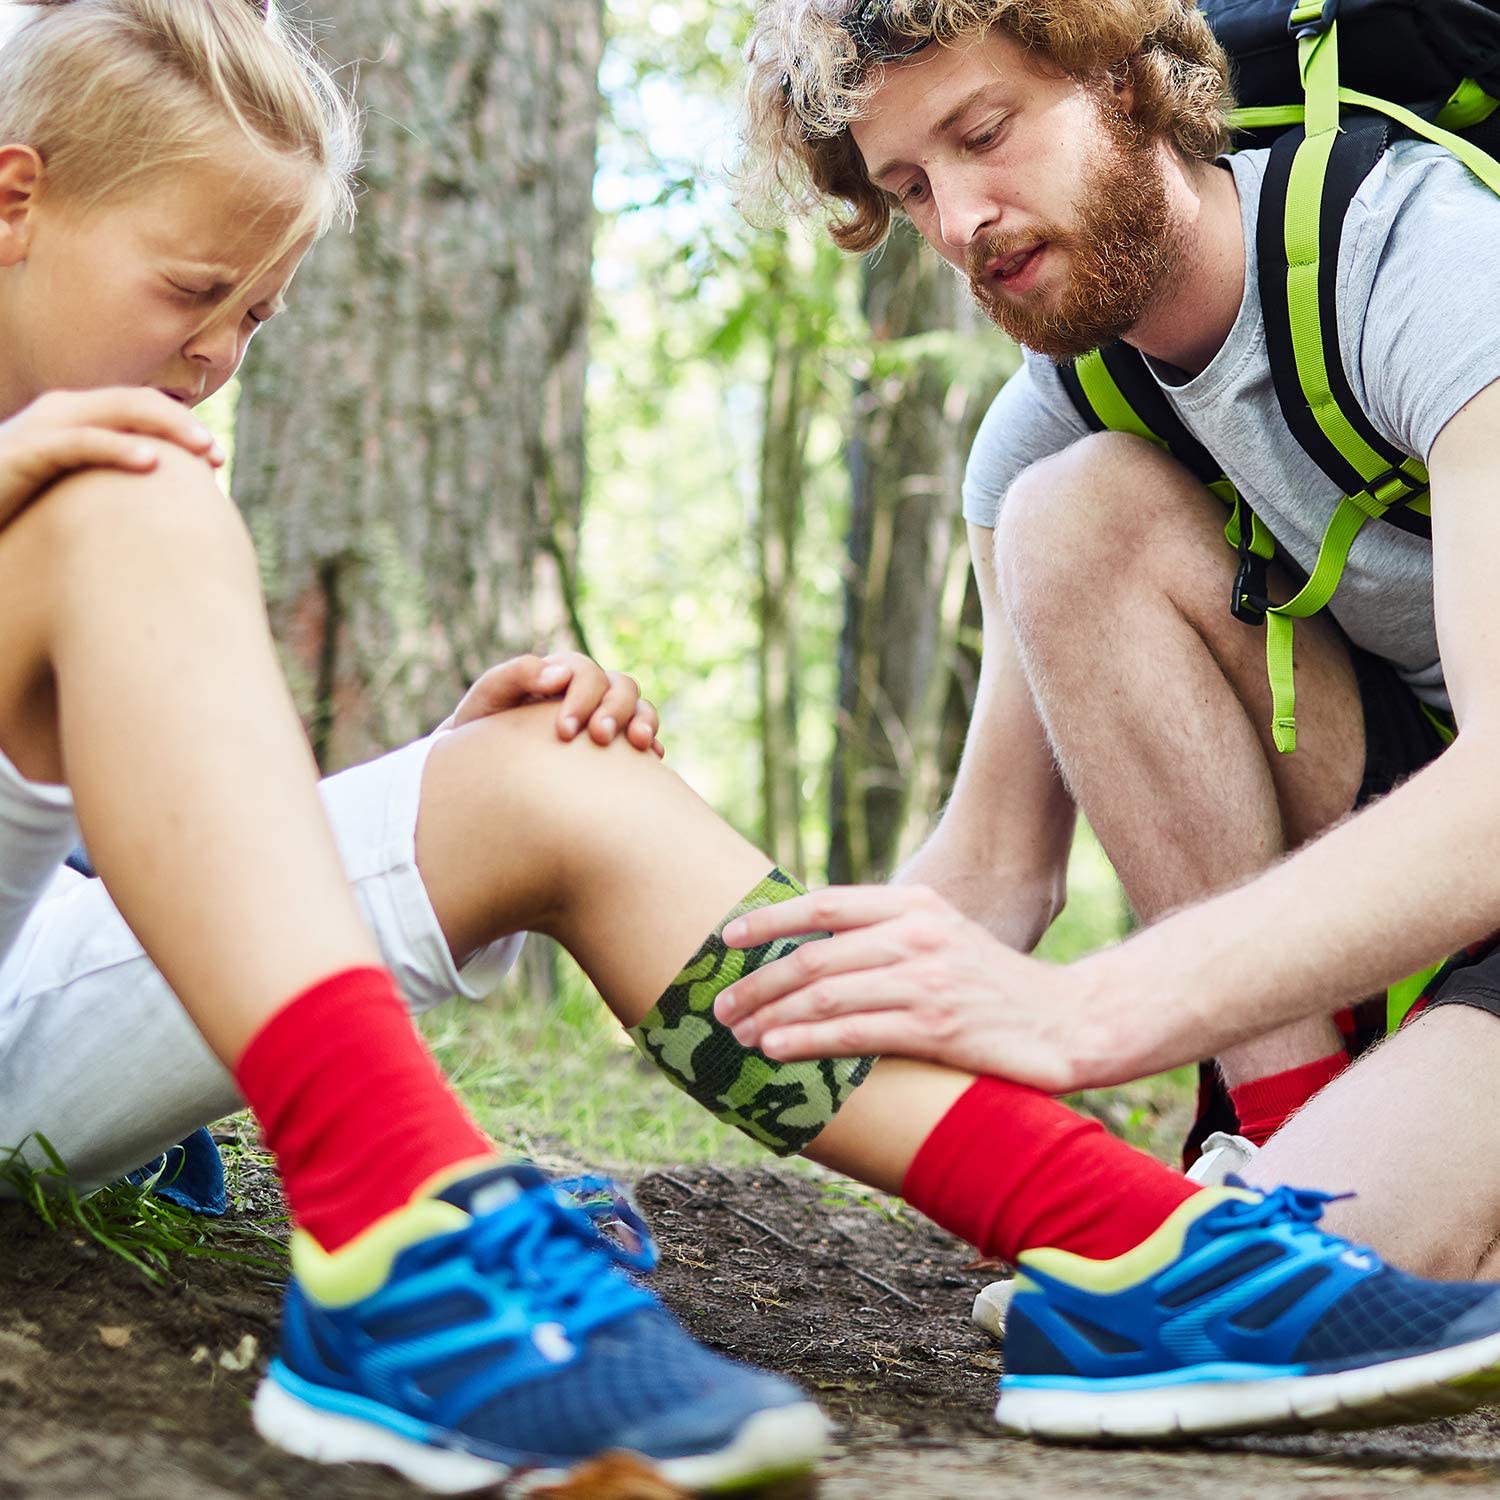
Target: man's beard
[[1117, 260]]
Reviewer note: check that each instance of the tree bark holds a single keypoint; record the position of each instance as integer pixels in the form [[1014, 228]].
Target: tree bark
[[409, 443], [783, 473], [908, 657]]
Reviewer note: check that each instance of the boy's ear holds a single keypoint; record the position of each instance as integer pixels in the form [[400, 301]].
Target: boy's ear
[[21, 175]]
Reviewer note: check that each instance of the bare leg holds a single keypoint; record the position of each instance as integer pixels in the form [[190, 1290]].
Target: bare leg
[[613, 855], [1117, 579], [1411, 1131], [139, 669]]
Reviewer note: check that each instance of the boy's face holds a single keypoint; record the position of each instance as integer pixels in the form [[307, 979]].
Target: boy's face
[[149, 288], [1039, 189]]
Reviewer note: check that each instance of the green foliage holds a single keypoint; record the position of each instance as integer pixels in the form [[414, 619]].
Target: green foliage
[[844, 1192], [129, 1220]]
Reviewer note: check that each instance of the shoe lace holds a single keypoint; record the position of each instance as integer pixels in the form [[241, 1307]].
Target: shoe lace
[[1300, 1207], [615, 1218], [550, 1251]]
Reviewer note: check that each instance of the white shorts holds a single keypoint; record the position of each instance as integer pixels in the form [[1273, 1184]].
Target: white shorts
[[96, 1054]]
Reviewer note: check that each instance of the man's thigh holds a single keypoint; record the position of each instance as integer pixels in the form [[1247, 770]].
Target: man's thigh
[[97, 1055]]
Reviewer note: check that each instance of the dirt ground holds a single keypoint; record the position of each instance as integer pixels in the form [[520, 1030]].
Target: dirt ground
[[110, 1387]]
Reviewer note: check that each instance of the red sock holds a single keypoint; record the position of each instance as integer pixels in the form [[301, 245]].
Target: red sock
[[1264, 1104], [352, 1105], [1011, 1169]]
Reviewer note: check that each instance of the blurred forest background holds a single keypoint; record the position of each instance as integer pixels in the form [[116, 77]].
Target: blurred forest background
[[555, 391]]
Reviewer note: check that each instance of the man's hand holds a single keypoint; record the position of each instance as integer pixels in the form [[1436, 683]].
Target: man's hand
[[905, 974], [603, 703], [64, 431]]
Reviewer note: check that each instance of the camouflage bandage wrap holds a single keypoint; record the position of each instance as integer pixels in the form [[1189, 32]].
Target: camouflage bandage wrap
[[781, 1105]]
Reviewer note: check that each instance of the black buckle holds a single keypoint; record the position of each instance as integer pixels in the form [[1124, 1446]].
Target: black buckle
[[1380, 480], [1248, 601], [1303, 29]]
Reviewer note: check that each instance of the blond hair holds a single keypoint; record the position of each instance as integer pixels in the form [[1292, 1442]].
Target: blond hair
[[111, 92], [809, 81]]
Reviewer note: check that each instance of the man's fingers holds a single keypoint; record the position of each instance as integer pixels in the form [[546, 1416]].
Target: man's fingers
[[840, 995], [834, 909], [874, 1033], [856, 952]]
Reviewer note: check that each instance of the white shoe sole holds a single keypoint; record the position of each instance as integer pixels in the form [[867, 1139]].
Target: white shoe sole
[[773, 1444], [1402, 1390]]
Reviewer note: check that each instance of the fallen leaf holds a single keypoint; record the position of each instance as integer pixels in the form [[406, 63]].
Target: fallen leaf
[[616, 1476], [242, 1356]]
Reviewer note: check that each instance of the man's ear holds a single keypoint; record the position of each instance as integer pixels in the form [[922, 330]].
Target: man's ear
[[21, 176]]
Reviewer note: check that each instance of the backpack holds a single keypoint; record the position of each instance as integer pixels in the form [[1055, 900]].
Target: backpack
[[1365, 70]]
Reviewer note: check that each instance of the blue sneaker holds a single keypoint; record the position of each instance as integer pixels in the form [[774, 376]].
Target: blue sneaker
[[1239, 1314], [490, 1332]]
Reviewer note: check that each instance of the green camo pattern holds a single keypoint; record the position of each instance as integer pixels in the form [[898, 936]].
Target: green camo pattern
[[781, 1105]]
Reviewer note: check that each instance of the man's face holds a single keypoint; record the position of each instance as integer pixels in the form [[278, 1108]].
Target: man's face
[[1039, 189]]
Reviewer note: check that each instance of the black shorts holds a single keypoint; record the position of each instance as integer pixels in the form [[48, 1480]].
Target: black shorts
[[1401, 736]]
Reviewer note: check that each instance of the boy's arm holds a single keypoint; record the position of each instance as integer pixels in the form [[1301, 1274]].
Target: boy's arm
[[1000, 852]]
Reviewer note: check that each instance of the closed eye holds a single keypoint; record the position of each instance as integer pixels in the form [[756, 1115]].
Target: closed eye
[[986, 137]]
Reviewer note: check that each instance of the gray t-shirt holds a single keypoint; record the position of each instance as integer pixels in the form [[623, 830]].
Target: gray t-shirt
[[1419, 324]]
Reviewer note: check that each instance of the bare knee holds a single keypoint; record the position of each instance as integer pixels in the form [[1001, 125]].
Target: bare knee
[[1106, 524], [512, 819], [102, 528], [1088, 516]]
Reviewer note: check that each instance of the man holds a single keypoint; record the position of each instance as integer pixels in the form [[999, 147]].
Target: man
[[1067, 162]]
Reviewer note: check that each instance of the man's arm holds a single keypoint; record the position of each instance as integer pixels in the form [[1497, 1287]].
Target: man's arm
[[1407, 880], [1000, 852]]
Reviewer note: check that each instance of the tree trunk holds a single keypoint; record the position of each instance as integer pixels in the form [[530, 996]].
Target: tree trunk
[[409, 443], [783, 472], [908, 655]]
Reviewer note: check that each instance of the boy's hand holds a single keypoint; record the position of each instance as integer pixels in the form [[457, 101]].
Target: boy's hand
[[64, 431], [603, 703]]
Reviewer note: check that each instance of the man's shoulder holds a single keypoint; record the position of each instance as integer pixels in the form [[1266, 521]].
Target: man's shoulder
[[1422, 176]]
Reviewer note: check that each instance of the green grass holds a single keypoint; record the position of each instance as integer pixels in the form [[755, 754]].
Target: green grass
[[564, 1080], [131, 1221]]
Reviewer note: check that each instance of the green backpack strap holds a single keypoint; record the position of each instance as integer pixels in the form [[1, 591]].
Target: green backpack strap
[[1309, 183], [1311, 178], [1112, 390]]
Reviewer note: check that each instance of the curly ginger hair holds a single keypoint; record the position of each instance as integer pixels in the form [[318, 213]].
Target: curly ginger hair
[[809, 80]]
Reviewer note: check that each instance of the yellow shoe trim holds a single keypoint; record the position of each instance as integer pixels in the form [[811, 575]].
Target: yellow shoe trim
[[449, 1175], [1148, 1258], [360, 1268]]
